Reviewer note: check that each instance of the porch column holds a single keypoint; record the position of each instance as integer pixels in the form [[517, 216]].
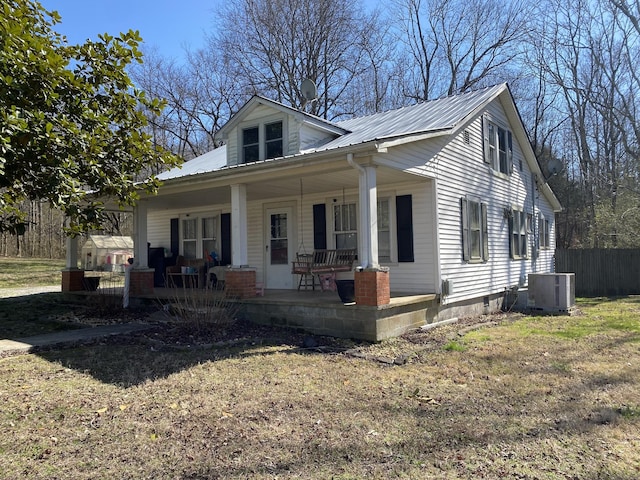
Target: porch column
[[140, 252], [71, 261], [72, 276], [368, 193], [239, 244], [140, 275]]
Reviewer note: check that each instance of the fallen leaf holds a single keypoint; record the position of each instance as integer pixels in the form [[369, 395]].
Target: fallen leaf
[[123, 407], [102, 410]]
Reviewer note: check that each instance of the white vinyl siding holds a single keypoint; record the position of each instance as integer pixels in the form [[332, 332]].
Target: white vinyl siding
[[460, 170]]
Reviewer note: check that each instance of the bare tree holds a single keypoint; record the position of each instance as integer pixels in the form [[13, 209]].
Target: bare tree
[[200, 96], [457, 45], [274, 44], [586, 50]]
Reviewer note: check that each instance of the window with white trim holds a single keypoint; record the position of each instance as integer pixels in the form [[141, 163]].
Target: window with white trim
[[475, 230], [189, 237], [209, 236], [498, 147], [198, 236], [273, 140], [345, 225], [544, 232], [384, 230], [518, 233], [261, 142]]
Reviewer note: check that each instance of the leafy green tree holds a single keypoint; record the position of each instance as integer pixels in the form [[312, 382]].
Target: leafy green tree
[[71, 121]]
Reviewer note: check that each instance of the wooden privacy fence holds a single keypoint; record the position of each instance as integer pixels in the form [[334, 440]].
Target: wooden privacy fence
[[602, 271]]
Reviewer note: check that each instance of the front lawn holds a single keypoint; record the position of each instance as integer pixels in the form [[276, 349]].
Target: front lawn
[[29, 272], [518, 397]]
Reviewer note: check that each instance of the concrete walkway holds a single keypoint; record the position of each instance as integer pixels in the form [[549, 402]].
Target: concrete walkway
[[67, 337]]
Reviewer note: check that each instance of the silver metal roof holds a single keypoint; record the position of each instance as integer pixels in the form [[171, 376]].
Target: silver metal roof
[[436, 115], [209, 162], [432, 116]]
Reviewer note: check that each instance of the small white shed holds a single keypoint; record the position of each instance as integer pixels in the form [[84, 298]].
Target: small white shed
[[106, 252]]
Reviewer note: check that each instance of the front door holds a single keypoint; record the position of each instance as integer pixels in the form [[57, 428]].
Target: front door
[[278, 249]]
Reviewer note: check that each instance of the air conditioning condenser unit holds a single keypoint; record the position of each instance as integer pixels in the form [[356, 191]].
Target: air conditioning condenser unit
[[552, 292]]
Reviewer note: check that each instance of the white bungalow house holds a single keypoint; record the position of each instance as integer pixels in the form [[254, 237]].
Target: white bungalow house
[[444, 202]]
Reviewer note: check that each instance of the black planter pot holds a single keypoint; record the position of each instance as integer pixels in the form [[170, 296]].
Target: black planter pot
[[346, 290], [91, 283]]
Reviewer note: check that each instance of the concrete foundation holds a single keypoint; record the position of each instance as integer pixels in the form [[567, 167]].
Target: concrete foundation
[[328, 316]]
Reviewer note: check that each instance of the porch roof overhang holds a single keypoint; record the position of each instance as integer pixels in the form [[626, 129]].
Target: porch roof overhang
[[320, 171]]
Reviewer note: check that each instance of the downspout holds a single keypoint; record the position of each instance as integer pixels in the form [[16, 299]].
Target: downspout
[[436, 239], [354, 164]]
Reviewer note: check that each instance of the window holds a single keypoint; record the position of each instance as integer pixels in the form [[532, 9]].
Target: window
[[395, 228], [250, 145], [345, 225], [384, 231], [198, 236], [498, 147], [544, 232], [273, 140], [475, 231], [279, 239], [518, 236], [209, 229], [262, 142], [189, 237]]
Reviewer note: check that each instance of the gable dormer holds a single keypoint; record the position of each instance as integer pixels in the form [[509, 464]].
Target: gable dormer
[[264, 129]]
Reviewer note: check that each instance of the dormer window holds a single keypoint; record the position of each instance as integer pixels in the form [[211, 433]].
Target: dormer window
[[262, 142], [250, 145], [273, 140]]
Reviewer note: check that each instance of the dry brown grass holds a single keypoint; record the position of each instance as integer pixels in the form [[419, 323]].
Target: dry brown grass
[[533, 398]]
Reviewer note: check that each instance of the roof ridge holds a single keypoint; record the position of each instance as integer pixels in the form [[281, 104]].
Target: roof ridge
[[420, 103]]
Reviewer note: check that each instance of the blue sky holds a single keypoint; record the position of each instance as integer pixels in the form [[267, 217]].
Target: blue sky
[[169, 25]]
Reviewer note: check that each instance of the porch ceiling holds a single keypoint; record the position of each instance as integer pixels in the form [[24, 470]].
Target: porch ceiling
[[267, 187]]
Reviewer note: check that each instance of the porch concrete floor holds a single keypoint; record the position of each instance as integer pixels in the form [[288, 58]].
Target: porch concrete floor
[[306, 297], [314, 311]]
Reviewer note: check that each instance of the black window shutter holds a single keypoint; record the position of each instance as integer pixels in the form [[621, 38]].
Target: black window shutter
[[225, 239], [175, 236], [464, 225], [404, 228], [319, 226]]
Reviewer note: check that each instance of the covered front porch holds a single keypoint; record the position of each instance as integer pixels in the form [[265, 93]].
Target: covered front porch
[[257, 220]]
